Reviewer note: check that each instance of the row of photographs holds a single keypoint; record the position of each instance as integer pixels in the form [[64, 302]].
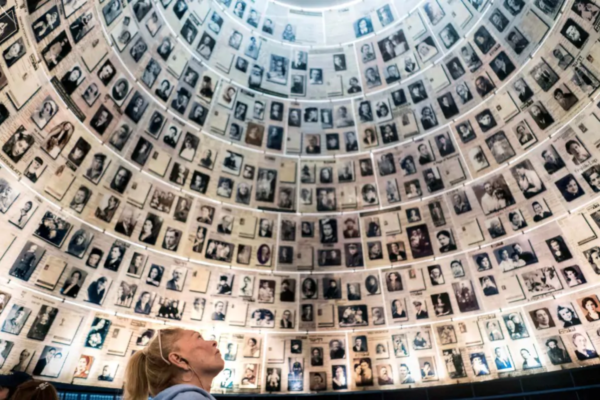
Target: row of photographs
[[45, 267], [494, 195], [91, 348], [122, 87], [169, 215], [498, 143], [225, 188], [216, 226], [278, 62], [434, 165]]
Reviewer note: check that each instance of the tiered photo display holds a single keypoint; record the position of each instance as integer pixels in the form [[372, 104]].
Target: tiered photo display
[[388, 195]]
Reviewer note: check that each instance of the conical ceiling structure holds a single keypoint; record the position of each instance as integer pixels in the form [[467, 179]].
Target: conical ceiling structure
[[346, 196]]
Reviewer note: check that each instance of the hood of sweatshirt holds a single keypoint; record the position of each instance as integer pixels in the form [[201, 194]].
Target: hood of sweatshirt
[[184, 392]]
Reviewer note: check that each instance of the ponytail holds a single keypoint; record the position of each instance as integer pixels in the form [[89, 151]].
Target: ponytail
[[136, 380], [148, 373]]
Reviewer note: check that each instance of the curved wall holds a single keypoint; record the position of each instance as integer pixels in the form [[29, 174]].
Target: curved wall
[[177, 163]]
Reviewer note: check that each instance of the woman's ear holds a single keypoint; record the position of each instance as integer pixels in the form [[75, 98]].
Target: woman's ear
[[178, 361]]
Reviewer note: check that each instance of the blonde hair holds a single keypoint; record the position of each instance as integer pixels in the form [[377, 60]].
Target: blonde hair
[[148, 371]]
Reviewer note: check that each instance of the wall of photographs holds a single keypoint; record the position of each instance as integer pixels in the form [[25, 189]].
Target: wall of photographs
[[394, 194]]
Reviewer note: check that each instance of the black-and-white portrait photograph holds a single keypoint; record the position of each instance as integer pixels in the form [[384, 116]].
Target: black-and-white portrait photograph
[[500, 147], [494, 194], [518, 254], [42, 323], [18, 144], [574, 33], [570, 188]]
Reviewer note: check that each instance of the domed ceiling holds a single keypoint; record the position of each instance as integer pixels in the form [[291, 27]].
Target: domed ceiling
[[391, 194], [318, 4]]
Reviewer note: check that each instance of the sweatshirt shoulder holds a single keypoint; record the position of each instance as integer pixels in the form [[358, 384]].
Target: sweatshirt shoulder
[[193, 396]]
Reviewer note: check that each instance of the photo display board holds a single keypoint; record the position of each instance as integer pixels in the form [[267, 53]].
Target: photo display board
[[395, 194]]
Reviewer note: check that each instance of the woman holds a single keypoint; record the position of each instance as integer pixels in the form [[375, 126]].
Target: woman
[[357, 374], [243, 193], [398, 310], [188, 151], [177, 365], [265, 293], [494, 331], [71, 80], [309, 288], [578, 153], [264, 254], [394, 283], [483, 263], [252, 348], [16, 147], [199, 239], [72, 285], [288, 33], [568, 317], [420, 342], [78, 243], [507, 263], [82, 370], [246, 289], [147, 235], [58, 138], [339, 378], [97, 290], [154, 276], [573, 277], [591, 306]]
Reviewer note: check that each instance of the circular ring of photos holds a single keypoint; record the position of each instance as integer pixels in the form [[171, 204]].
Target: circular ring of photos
[[404, 197]]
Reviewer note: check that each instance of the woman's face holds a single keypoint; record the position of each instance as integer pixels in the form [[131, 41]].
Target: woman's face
[[590, 306], [153, 273], [510, 325], [203, 355], [444, 240], [82, 364], [148, 226], [572, 187], [566, 314], [19, 148], [74, 75]]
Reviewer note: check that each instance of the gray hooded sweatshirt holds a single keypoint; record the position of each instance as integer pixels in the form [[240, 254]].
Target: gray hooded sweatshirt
[[184, 392]]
